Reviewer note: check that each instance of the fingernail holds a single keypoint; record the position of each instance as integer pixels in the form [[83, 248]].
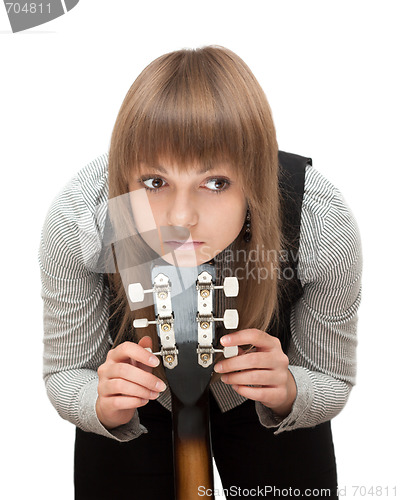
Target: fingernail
[[225, 340], [218, 367], [154, 361], [160, 386], [154, 394]]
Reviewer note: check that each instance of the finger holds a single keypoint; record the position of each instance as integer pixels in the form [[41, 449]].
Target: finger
[[147, 343], [119, 403], [251, 336], [248, 361], [265, 378], [270, 396], [129, 351], [121, 387], [135, 375]]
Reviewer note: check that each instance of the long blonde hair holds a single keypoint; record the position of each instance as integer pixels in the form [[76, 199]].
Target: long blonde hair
[[199, 106]]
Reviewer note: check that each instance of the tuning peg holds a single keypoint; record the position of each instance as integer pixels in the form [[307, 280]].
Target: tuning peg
[[230, 286], [229, 351], [142, 323], [230, 319], [159, 353], [136, 292]]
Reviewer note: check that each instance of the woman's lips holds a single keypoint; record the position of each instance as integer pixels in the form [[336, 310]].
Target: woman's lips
[[184, 245]]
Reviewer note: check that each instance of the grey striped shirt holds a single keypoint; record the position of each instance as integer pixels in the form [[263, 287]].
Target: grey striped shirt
[[323, 322]]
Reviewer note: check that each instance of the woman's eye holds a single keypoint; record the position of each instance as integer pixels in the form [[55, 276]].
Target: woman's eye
[[153, 183], [217, 185]]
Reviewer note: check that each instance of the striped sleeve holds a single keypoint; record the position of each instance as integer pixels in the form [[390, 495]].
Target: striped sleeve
[[322, 353], [75, 303]]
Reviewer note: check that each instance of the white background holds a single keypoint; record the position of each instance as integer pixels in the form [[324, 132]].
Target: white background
[[330, 72]]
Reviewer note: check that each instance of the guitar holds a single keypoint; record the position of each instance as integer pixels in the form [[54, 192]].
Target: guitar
[[184, 300]]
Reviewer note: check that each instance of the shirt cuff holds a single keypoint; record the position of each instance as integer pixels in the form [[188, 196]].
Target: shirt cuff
[[89, 421], [297, 418]]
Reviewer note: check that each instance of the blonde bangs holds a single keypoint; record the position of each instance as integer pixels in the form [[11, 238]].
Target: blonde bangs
[[194, 107]]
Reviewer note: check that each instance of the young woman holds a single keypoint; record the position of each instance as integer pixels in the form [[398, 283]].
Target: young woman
[[193, 175]]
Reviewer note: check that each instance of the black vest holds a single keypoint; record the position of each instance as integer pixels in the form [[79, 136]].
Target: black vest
[[291, 185]]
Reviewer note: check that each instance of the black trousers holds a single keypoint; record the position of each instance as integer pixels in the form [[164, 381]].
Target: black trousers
[[252, 462]]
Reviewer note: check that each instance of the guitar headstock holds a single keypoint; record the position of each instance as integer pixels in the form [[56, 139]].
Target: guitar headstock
[[184, 301]]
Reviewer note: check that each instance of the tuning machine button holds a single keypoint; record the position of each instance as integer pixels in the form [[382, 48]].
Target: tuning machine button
[[230, 319], [142, 323], [229, 351], [230, 286], [136, 292]]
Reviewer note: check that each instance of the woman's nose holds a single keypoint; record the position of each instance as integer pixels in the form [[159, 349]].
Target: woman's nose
[[182, 211]]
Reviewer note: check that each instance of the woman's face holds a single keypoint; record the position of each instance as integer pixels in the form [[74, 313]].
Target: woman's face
[[187, 217]]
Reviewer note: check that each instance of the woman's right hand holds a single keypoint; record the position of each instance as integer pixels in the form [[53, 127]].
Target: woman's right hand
[[126, 382]]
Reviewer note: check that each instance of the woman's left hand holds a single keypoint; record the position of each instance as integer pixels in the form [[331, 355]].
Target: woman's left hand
[[261, 374]]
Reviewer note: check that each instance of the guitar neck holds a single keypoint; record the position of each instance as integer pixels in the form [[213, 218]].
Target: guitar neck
[[192, 449]]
